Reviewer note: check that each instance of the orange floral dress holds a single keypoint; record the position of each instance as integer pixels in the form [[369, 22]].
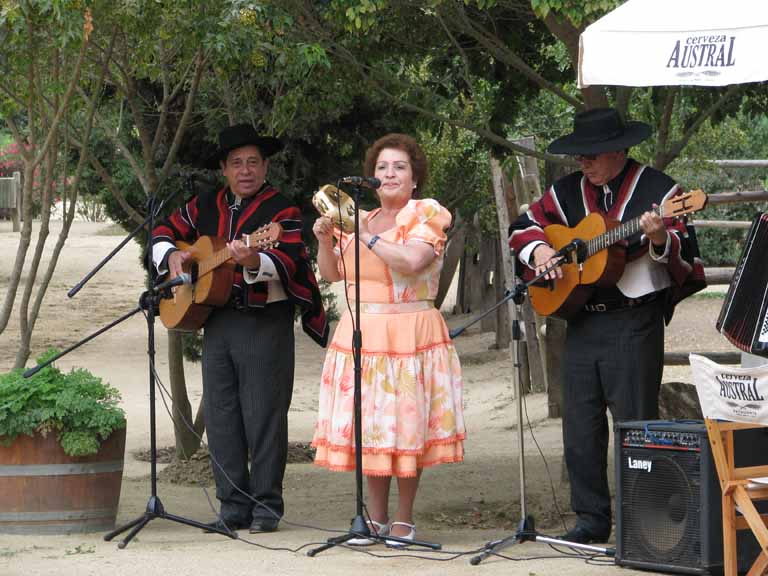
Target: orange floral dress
[[411, 383]]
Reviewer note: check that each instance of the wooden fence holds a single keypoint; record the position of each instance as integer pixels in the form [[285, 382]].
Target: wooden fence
[[10, 199]]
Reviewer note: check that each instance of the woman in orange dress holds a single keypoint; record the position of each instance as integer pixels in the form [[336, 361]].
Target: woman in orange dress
[[411, 379]]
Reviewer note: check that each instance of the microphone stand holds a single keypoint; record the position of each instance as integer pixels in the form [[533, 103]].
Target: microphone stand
[[526, 531], [155, 508], [149, 302], [359, 527]]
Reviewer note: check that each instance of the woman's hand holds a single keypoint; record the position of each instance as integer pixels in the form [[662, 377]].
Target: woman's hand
[[327, 259], [365, 235], [323, 229]]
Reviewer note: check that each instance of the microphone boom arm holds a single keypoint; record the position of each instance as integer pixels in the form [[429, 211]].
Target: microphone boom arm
[[517, 292]]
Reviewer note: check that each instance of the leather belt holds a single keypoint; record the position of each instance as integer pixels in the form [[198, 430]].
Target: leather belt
[[620, 304], [236, 302], [395, 307]]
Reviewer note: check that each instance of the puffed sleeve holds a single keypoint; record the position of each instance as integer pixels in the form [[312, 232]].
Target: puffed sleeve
[[425, 220]]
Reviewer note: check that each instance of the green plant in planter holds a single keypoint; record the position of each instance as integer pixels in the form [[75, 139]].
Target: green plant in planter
[[77, 406]]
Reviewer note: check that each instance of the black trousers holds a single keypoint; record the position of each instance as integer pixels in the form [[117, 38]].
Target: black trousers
[[612, 360], [248, 362]]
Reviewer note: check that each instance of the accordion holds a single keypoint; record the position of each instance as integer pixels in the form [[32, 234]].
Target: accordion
[[743, 318]]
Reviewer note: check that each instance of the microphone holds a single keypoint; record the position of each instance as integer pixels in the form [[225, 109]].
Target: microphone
[[182, 278], [576, 247], [366, 181]]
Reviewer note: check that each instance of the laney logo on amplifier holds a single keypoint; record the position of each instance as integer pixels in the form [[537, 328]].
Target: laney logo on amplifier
[[637, 464]]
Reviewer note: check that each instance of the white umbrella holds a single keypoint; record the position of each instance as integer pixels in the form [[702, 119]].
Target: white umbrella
[[674, 42]]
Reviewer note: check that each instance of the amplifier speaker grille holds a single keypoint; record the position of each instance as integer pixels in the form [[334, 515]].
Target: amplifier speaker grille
[[661, 508]]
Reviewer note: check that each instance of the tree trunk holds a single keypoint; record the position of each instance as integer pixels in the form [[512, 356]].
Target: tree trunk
[[503, 324], [187, 441], [554, 346], [25, 239], [554, 333], [453, 252], [28, 318], [506, 280], [17, 197], [525, 189]]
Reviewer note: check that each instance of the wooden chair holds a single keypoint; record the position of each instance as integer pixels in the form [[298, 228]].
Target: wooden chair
[[741, 488], [729, 405]]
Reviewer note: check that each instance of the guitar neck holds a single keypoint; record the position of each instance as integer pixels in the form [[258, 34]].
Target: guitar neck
[[622, 231], [265, 237], [213, 261]]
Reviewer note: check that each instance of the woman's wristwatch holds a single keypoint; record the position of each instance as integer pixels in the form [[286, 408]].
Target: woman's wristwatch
[[372, 241]]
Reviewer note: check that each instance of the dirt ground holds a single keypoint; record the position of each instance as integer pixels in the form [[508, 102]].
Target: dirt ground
[[460, 506]]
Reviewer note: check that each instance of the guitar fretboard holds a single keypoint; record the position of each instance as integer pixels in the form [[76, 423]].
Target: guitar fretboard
[[263, 238], [213, 261], [622, 231]]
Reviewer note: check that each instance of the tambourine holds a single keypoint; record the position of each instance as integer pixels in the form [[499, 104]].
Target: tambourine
[[336, 205]]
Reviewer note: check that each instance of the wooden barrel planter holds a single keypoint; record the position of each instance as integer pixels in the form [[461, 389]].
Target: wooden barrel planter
[[45, 491]]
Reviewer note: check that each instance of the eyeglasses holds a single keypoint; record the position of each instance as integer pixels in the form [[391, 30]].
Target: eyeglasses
[[585, 157]]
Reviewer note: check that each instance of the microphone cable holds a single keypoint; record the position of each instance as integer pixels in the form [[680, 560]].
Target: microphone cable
[[431, 555]]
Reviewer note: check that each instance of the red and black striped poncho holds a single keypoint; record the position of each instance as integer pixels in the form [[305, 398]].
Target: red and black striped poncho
[[209, 214]]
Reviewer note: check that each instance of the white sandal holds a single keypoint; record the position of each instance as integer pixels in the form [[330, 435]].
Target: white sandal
[[410, 536], [376, 528]]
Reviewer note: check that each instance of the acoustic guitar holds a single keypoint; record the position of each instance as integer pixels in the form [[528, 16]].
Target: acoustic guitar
[[212, 270], [600, 262]]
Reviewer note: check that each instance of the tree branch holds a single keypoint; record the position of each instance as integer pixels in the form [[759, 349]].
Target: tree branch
[[123, 149], [200, 61], [498, 49], [485, 133], [464, 58], [677, 147], [664, 125], [73, 84]]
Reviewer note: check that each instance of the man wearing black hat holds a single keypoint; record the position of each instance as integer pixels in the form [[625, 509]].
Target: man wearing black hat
[[614, 350], [248, 345]]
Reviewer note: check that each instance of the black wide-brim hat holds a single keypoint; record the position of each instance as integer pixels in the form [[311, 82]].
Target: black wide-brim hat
[[239, 135], [598, 131]]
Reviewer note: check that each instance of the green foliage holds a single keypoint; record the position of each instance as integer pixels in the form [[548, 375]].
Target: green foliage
[[460, 177], [329, 300], [77, 406], [192, 345], [577, 11], [744, 135]]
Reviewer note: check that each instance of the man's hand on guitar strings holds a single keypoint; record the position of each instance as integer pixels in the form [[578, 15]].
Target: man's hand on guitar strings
[[176, 262], [543, 258], [246, 256]]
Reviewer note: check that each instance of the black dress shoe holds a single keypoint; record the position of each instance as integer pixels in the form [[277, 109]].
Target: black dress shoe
[[580, 534], [263, 525], [226, 526]]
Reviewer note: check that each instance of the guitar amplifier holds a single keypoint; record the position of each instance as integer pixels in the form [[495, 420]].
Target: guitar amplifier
[[668, 504]]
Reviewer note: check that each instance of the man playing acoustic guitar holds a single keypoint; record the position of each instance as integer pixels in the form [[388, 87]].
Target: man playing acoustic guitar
[[614, 350], [248, 342]]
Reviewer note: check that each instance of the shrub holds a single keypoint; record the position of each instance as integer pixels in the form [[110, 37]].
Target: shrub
[[77, 406]]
